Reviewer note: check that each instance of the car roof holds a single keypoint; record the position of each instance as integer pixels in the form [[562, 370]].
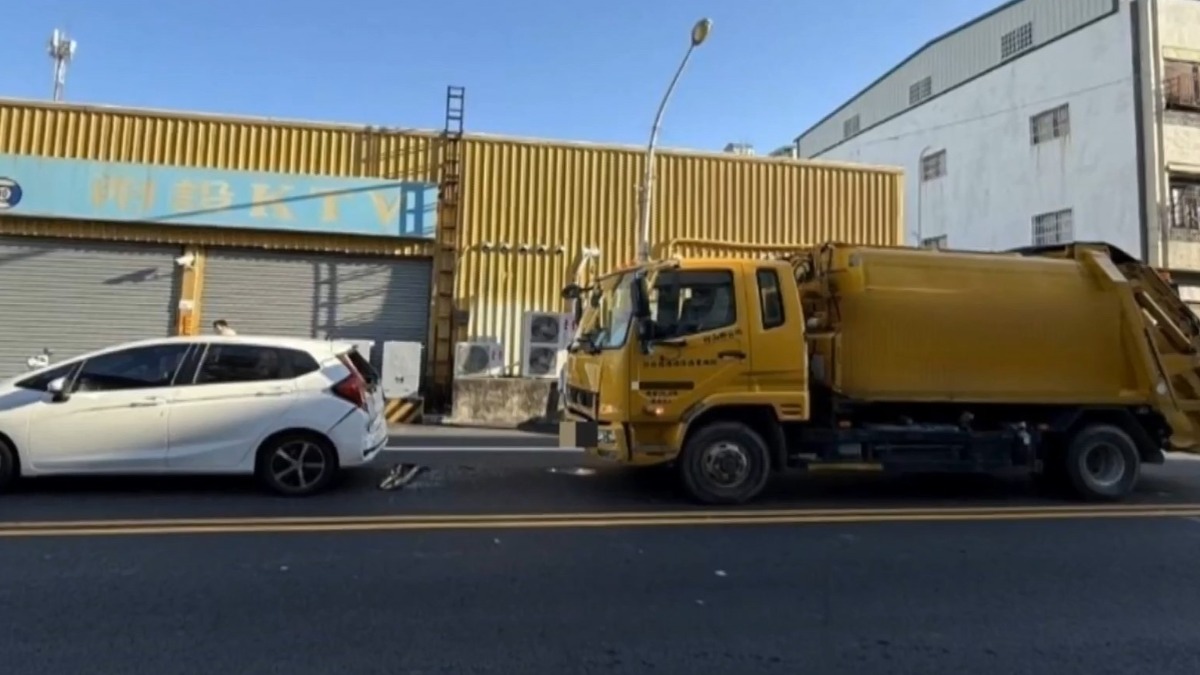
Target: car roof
[[313, 345], [320, 349]]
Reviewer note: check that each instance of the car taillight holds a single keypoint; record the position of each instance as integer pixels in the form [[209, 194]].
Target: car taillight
[[352, 390]]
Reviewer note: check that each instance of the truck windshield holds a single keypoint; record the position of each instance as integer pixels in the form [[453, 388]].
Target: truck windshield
[[606, 319]]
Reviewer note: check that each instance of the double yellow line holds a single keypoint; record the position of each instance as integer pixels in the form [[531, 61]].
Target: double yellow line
[[539, 521]]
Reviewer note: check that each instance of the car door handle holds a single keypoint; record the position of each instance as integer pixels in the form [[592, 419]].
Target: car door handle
[[148, 402], [273, 391], [731, 354]]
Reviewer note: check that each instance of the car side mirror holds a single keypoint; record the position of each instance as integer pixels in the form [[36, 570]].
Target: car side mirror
[[572, 292], [57, 388]]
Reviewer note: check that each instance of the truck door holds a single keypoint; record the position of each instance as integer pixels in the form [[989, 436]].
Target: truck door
[[699, 346]]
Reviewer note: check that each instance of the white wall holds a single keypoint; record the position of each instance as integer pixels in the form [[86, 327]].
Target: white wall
[[1179, 24], [996, 181], [1179, 38]]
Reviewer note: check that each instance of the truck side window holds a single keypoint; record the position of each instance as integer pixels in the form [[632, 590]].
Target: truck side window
[[769, 299], [688, 302]]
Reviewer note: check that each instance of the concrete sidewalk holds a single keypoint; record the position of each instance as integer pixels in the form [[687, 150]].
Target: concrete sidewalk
[[470, 434], [444, 445]]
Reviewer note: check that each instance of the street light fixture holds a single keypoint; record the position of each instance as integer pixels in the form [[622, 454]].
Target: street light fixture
[[700, 32]]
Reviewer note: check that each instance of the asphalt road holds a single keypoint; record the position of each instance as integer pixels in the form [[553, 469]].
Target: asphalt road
[[1060, 597], [477, 569], [488, 475]]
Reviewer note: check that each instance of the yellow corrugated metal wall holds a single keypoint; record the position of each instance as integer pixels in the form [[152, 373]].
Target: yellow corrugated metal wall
[[152, 137], [531, 197], [529, 207]]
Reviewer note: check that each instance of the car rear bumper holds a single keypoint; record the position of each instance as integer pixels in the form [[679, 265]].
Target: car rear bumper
[[358, 443]]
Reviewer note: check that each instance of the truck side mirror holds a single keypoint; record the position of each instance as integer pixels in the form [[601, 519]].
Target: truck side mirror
[[639, 295], [645, 334]]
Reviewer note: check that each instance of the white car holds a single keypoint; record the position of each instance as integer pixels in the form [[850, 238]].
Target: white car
[[290, 411]]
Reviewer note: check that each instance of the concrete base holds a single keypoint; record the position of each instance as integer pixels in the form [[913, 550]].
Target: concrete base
[[512, 402]]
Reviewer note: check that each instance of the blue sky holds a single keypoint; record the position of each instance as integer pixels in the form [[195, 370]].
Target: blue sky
[[545, 68]]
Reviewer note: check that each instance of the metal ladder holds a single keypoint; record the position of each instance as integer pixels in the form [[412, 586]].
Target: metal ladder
[[445, 323]]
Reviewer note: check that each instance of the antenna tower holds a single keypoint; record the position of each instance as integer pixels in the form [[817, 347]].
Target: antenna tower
[[62, 51]]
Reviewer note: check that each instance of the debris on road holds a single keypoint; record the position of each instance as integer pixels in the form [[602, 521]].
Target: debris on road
[[400, 475]]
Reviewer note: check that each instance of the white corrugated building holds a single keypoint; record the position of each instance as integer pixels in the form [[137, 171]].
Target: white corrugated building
[[1043, 121]]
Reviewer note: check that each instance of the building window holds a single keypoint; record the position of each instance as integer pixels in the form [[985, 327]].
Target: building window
[[920, 90], [850, 127], [937, 243], [1185, 206], [933, 166], [1056, 227], [1016, 41], [1181, 84], [1049, 125]]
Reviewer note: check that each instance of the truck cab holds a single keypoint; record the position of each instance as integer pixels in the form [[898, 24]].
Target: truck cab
[[682, 345]]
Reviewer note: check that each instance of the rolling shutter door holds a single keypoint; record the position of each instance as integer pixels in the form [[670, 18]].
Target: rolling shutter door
[[75, 296], [325, 296]]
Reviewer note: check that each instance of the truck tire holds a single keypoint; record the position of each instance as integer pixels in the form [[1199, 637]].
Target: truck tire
[[725, 463], [1102, 463]]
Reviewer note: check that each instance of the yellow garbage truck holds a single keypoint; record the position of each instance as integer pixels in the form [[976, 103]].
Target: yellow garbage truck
[[1075, 363]]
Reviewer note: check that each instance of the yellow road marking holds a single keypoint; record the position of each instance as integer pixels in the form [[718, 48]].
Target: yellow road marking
[[698, 514], [583, 520]]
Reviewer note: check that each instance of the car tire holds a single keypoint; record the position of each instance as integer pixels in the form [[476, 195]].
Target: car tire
[[725, 463], [1102, 463], [10, 467], [297, 464]]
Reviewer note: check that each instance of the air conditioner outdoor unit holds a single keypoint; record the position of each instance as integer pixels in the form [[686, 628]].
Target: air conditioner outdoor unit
[[542, 361], [546, 329], [478, 358], [544, 339]]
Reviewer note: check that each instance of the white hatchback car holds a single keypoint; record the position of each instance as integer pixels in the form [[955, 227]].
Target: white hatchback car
[[290, 411]]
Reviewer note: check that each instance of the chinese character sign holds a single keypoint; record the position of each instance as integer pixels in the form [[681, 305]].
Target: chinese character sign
[[87, 190]]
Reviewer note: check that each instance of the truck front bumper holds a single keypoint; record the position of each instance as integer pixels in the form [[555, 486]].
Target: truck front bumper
[[605, 441]]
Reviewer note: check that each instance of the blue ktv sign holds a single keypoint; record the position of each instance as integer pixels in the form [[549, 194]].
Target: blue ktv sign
[[114, 191]]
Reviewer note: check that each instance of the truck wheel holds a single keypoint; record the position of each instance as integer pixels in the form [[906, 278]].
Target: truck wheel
[[1102, 463], [725, 463]]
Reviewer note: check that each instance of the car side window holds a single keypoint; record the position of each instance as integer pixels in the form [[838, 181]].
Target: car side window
[[136, 368], [228, 363], [688, 302], [769, 299], [40, 381]]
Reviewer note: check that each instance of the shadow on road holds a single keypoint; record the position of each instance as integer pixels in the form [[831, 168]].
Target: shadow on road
[[474, 490]]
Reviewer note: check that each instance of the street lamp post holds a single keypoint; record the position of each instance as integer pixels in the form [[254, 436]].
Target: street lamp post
[[700, 33]]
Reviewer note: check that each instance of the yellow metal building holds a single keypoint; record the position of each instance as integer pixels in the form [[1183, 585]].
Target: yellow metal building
[[525, 209], [530, 206]]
